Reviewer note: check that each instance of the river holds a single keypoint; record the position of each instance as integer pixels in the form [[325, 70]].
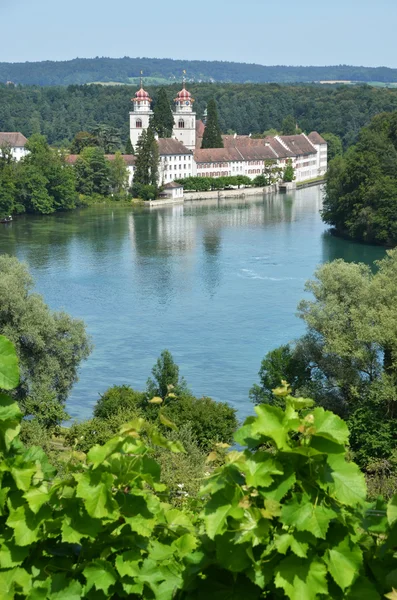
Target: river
[[215, 282]]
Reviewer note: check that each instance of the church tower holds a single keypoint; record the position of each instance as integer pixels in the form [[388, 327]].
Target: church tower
[[140, 116], [185, 119]]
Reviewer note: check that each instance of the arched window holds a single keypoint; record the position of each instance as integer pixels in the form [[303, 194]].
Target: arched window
[[181, 124], [138, 124]]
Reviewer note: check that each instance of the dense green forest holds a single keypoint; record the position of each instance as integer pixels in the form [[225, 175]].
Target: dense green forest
[[361, 192], [87, 70], [60, 112]]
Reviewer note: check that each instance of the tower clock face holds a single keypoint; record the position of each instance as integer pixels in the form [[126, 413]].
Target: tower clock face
[[187, 103]]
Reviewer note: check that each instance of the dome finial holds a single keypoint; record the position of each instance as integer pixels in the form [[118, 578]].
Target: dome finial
[[184, 79], [141, 80]]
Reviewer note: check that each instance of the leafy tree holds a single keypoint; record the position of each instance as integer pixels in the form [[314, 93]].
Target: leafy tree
[[361, 189], [93, 172], [119, 398], [50, 345], [283, 363], [288, 126], [289, 173], [212, 137], [118, 174], [83, 139], [7, 188], [165, 377], [129, 149], [335, 147], [107, 137], [162, 120], [146, 167]]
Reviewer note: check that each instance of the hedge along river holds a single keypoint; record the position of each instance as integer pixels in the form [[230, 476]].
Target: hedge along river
[[215, 282]]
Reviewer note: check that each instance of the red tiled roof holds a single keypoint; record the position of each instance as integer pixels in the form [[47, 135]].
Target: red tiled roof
[[298, 144], [129, 159], [169, 146], [15, 139], [316, 138]]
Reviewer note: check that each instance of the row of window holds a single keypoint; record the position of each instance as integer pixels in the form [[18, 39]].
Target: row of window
[[185, 166], [138, 124], [176, 158]]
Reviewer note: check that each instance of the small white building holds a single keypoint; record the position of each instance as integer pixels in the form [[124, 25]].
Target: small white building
[[16, 142], [176, 161], [172, 191]]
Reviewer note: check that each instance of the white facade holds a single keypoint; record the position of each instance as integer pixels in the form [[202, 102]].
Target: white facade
[[15, 142], [140, 116], [185, 119]]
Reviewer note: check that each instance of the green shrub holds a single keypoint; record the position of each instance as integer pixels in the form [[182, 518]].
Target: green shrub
[[117, 399], [211, 422]]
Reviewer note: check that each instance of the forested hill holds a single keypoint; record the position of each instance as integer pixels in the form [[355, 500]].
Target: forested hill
[[60, 112], [88, 70]]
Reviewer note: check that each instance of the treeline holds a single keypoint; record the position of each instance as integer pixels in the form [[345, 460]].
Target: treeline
[[61, 112], [361, 192], [43, 182], [87, 70]]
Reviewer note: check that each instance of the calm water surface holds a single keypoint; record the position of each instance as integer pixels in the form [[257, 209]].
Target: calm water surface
[[215, 282]]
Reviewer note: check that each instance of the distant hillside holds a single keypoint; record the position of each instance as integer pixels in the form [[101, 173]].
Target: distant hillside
[[124, 70]]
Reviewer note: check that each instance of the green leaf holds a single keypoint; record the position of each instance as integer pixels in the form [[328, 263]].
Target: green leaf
[[64, 589], [163, 442], [301, 579], [26, 525], [392, 510], [345, 481], [344, 562], [23, 477], [127, 564], [270, 424], [185, 544], [36, 497], [100, 574], [363, 589], [9, 371], [328, 425], [95, 488], [156, 400], [14, 581], [232, 557], [9, 409], [305, 516], [215, 519], [287, 540], [166, 422], [259, 468], [11, 555]]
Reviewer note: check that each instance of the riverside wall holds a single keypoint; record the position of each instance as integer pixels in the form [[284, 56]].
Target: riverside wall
[[240, 193]]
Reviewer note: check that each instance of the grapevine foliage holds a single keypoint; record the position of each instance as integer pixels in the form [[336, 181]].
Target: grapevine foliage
[[285, 517]]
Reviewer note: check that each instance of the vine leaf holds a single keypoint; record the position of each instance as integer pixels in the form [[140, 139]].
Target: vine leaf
[[100, 574], [9, 371], [327, 424], [392, 511], [270, 423], [347, 482], [301, 579], [344, 562], [64, 589], [305, 516], [95, 489]]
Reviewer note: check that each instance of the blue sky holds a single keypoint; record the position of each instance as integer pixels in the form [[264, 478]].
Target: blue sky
[[294, 32]]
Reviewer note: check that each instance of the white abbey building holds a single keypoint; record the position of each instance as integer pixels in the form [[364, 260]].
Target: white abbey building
[[184, 118], [182, 155]]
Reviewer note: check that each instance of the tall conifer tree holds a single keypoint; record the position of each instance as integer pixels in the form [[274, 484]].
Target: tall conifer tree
[[212, 137], [162, 120], [146, 168]]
